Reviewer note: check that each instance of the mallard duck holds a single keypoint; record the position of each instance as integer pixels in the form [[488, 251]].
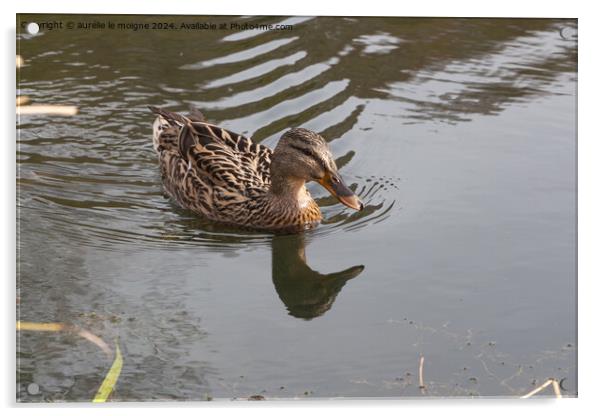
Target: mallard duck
[[227, 178]]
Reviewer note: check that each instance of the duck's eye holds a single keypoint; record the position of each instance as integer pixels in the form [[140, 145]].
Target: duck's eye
[[335, 179], [307, 152]]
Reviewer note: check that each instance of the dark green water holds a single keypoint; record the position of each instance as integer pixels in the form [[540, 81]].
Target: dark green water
[[458, 134]]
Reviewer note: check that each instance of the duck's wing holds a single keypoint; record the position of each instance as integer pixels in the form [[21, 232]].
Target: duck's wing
[[230, 161], [241, 149], [240, 154]]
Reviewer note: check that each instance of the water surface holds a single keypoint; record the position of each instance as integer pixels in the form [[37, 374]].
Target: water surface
[[458, 134]]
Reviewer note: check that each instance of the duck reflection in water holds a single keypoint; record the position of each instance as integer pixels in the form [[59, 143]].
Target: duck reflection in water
[[305, 292]]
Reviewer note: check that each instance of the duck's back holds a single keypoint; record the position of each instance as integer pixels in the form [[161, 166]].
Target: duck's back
[[216, 173]]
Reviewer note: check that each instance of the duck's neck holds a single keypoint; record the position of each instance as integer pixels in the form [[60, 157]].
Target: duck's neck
[[290, 191]]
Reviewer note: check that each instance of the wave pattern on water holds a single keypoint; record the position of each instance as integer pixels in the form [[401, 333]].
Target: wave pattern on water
[[94, 177]]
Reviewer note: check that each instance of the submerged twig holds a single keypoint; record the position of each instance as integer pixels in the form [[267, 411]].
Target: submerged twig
[[58, 326], [421, 374]]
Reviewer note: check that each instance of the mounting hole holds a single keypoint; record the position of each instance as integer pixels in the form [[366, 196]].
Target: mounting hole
[[33, 28]]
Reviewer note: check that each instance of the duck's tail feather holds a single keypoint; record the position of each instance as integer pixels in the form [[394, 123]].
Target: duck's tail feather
[[166, 128], [172, 118], [194, 114], [175, 129]]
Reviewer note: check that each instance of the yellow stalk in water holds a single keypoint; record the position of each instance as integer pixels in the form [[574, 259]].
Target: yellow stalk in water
[[108, 384]]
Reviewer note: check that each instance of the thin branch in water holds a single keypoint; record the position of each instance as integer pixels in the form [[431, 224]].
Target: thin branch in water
[[59, 326], [421, 375], [556, 386], [537, 390], [61, 110], [551, 381]]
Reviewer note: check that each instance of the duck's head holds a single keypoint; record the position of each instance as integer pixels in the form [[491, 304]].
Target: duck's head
[[301, 156]]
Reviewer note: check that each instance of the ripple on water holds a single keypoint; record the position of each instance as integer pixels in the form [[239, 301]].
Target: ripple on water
[[95, 177]]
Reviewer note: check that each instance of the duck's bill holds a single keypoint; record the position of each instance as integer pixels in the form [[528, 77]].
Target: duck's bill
[[335, 185]]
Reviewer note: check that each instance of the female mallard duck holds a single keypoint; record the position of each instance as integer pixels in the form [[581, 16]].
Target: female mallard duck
[[225, 177]]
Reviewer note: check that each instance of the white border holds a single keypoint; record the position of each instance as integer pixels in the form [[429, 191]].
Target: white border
[[590, 188], [509, 8]]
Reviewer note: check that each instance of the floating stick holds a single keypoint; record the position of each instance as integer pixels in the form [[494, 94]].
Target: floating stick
[[551, 381], [556, 386], [61, 110], [40, 326]]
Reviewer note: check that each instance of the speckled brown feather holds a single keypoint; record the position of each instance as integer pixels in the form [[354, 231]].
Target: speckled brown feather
[[222, 175]]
